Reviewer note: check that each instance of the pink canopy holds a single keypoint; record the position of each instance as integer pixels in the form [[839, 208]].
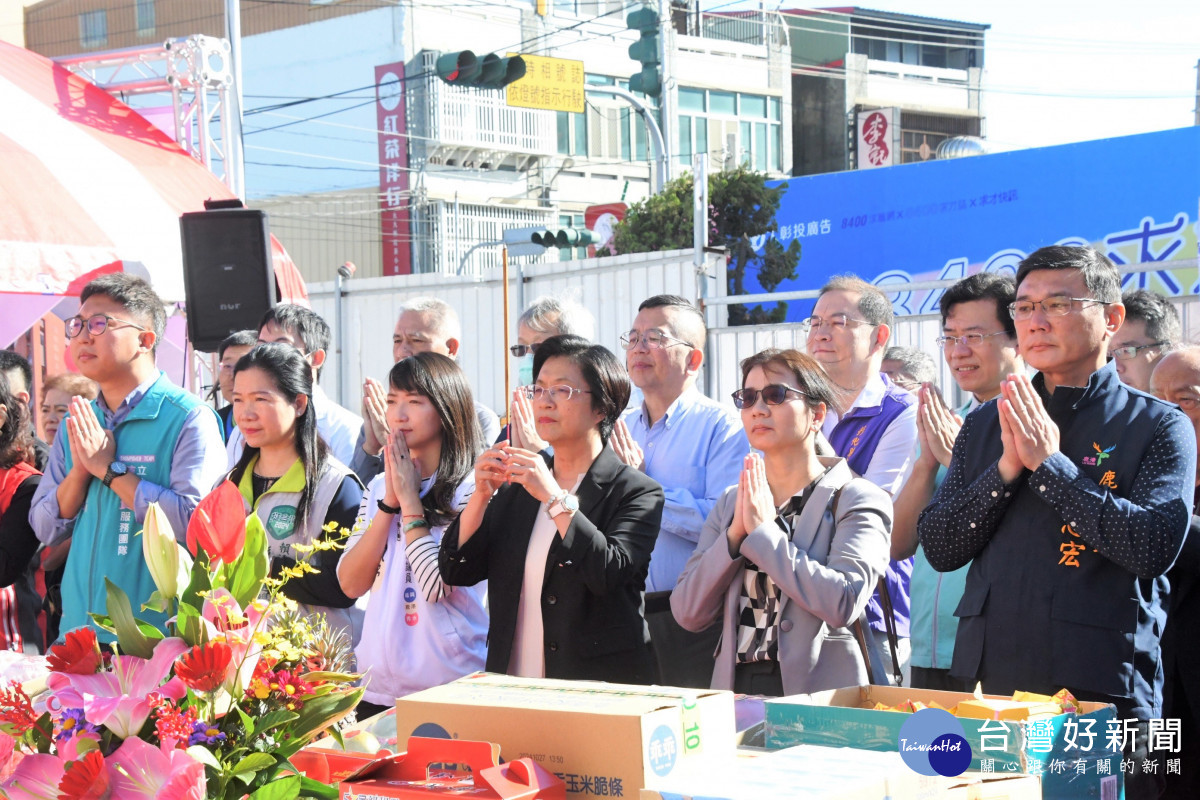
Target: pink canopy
[[89, 186]]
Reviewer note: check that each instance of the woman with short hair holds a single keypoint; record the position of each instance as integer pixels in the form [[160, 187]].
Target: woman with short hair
[[564, 541], [789, 557]]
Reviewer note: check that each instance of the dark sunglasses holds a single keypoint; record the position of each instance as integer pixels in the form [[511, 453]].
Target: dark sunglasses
[[774, 394], [522, 350]]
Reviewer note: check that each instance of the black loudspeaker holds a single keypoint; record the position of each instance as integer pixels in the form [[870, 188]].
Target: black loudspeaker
[[228, 276]]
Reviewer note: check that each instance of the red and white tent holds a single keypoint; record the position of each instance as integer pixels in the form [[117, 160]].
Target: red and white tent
[[87, 186]]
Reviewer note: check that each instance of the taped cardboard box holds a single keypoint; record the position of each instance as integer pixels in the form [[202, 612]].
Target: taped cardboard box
[[1069, 752], [604, 740], [806, 773]]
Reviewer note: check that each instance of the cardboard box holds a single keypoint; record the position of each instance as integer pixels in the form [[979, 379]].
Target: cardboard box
[[806, 773], [604, 740], [844, 718], [432, 768], [976, 786]]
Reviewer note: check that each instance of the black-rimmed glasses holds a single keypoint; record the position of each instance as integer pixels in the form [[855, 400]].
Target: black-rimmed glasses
[[96, 324]]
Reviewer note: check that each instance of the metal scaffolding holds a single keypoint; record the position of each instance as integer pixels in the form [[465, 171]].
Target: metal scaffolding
[[198, 74]]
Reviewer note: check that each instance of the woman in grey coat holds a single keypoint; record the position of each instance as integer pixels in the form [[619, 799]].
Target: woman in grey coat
[[789, 557]]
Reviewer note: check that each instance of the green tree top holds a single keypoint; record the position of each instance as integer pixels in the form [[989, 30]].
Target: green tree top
[[741, 206]]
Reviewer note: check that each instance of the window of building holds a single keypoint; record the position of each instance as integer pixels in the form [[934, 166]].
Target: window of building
[[884, 41], [145, 17], [573, 133], [708, 119], [93, 29]]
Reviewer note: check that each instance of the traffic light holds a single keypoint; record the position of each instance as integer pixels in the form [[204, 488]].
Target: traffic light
[[565, 238], [646, 51], [490, 72]]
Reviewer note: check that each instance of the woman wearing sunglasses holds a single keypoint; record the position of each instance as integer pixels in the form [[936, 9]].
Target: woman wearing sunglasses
[[564, 542], [789, 557]]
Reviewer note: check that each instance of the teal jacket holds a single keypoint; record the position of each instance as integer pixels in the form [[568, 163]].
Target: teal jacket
[[104, 542]]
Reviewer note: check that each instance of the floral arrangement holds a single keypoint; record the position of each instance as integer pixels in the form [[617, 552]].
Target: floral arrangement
[[212, 707]]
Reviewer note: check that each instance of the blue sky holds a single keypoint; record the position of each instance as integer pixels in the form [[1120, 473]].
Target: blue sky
[[1059, 72]]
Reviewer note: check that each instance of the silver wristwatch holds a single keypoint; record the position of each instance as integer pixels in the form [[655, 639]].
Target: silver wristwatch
[[562, 504]]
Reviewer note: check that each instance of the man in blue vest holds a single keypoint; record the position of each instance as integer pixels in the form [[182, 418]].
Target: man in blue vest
[[142, 440], [848, 333], [1073, 495]]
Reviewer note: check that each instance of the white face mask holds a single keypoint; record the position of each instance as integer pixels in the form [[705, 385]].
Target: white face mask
[[525, 371]]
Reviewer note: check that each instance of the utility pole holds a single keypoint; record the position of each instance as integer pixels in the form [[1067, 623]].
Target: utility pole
[[1197, 112], [662, 169], [668, 100], [235, 160]]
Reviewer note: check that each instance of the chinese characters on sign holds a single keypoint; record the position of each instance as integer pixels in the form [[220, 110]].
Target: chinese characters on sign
[[552, 84], [876, 138], [392, 131]]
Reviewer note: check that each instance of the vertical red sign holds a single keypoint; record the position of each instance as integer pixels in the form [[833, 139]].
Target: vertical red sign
[[392, 128]]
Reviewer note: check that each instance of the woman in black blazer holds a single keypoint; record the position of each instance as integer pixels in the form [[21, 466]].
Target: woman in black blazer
[[563, 542]]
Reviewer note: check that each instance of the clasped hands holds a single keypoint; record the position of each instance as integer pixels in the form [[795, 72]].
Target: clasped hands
[[504, 463], [755, 502], [1028, 433], [93, 447]]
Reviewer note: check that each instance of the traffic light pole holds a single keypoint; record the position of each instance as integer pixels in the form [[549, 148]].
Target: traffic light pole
[[662, 157]]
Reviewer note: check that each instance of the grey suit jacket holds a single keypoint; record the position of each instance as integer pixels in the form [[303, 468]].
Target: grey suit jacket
[[826, 573]]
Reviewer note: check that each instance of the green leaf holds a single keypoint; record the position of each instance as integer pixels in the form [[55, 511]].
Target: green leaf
[[253, 763], [274, 719], [244, 577], [200, 581], [190, 626], [282, 789], [156, 603], [247, 722], [204, 756], [317, 715], [336, 734], [318, 790], [133, 642], [331, 677]]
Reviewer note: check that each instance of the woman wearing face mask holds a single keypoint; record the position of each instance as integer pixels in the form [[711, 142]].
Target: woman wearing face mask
[[564, 542], [419, 632], [789, 557], [287, 476]]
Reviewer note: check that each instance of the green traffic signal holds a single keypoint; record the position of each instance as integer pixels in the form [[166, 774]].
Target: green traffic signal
[[645, 51], [490, 72], [565, 238]]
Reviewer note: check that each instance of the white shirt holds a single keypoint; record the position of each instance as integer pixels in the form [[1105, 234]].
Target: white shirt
[[338, 426], [893, 458]]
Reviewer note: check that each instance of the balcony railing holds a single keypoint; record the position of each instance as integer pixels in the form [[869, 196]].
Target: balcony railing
[[475, 128]]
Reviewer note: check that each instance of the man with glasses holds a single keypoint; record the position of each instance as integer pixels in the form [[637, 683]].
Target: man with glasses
[[979, 343], [143, 440], [848, 334], [425, 324], [1151, 329], [1073, 495], [306, 331], [691, 445]]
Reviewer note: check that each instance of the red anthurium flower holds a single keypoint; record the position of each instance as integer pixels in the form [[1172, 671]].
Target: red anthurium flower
[[205, 666], [219, 524], [77, 655], [85, 779]]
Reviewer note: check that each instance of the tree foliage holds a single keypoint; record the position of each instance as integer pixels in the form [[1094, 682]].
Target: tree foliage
[[741, 207]]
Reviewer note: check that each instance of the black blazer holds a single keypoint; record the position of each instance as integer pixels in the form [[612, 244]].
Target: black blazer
[[595, 575]]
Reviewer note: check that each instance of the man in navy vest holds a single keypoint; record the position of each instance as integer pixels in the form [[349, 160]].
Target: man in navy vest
[[877, 433], [142, 440], [1073, 495]]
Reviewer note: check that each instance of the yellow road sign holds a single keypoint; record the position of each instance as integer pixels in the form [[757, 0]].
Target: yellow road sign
[[554, 84]]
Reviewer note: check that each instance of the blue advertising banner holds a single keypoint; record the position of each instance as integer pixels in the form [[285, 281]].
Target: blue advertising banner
[[1136, 198]]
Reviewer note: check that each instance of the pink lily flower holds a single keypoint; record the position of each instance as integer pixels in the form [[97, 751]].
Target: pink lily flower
[[145, 771], [35, 778], [121, 700], [227, 621]]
